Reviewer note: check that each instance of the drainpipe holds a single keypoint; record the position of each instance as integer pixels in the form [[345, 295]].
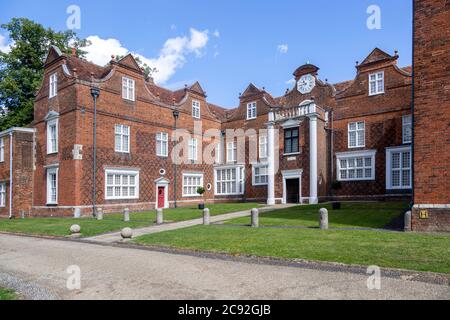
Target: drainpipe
[[176, 114], [95, 92], [412, 111], [10, 175]]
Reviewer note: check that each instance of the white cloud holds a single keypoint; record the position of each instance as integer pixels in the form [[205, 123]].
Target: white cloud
[[291, 82], [172, 55], [216, 34], [5, 47], [283, 48]]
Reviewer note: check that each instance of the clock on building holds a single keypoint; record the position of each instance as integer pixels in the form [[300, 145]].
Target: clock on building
[[306, 83]]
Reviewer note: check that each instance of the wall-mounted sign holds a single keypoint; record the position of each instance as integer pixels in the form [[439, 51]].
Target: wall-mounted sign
[[423, 214]]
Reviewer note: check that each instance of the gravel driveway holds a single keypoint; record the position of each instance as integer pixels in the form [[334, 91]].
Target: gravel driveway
[[122, 273]]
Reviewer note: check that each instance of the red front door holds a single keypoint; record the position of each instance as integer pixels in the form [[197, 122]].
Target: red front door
[[161, 197]]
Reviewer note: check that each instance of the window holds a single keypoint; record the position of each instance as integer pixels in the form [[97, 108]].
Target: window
[[193, 149], [162, 144], [196, 109], [231, 151], [251, 111], [2, 149], [128, 91], [291, 141], [229, 181], [218, 152], [398, 167], [356, 166], [356, 135], [191, 182], [122, 184], [407, 129], [376, 83], [260, 175], [262, 147], [2, 195], [52, 186], [52, 136], [122, 138], [53, 86]]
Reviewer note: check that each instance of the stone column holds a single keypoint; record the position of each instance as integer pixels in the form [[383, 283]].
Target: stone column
[[255, 218], [159, 216], [271, 163], [313, 159], [126, 215], [206, 216]]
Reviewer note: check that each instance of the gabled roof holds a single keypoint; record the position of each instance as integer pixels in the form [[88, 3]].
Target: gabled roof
[[377, 55], [251, 90], [197, 88], [53, 54], [130, 62]]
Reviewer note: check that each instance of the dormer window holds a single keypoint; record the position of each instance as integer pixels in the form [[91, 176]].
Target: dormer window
[[376, 83], [128, 91], [251, 111], [53, 86], [196, 109]]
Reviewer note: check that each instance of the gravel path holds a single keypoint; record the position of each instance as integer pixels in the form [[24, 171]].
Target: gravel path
[[111, 272]]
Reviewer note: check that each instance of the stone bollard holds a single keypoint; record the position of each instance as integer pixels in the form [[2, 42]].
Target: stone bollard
[[126, 215], [126, 233], [159, 216], [255, 218], [99, 214], [206, 217], [408, 221], [75, 229], [323, 223]]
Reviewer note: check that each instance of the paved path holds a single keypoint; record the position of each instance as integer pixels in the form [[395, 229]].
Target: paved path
[[115, 236], [109, 272]]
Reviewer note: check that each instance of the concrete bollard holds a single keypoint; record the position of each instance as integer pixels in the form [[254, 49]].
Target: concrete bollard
[[255, 218], [206, 217], [77, 213], [323, 223], [75, 229], [408, 221], [126, 233], [99, 214], [126, 215], [159, 216]]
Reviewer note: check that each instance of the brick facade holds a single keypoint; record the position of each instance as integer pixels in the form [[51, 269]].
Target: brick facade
[[431, 115]]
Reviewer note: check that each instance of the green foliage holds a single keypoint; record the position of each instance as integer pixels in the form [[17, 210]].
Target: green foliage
[[21, 70], [201, 190]]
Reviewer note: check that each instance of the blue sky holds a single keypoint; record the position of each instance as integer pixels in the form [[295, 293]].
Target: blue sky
[[228, 44]]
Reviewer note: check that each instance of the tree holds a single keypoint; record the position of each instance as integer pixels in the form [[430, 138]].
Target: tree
[[22, 69]]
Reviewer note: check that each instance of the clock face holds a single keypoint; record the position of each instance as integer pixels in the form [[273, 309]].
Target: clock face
[[306, 83]]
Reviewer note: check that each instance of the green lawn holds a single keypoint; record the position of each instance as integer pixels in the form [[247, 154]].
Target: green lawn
[[91, 227], [422, 252], [351, 215], [7, 294]]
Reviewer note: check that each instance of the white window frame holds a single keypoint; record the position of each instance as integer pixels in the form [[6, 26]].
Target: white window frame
[[122, 173], [401, 169], [196, 111], [355, 157], [52, 142], [3, 195], [162, 144], [192, 185], [263, 146], [356, 131], [239, 181], [128, 89], [379, 77], [193, 149], [252, 112], [231, 152], [53, 86], [407, 129], [256, 167], [52, 171], [2, 149], [122, 135]]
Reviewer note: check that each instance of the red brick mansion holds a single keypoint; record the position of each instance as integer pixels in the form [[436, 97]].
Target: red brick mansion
[[141, 146]]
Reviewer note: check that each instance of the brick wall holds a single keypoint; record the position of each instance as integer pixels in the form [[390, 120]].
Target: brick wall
[[431, 115]]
